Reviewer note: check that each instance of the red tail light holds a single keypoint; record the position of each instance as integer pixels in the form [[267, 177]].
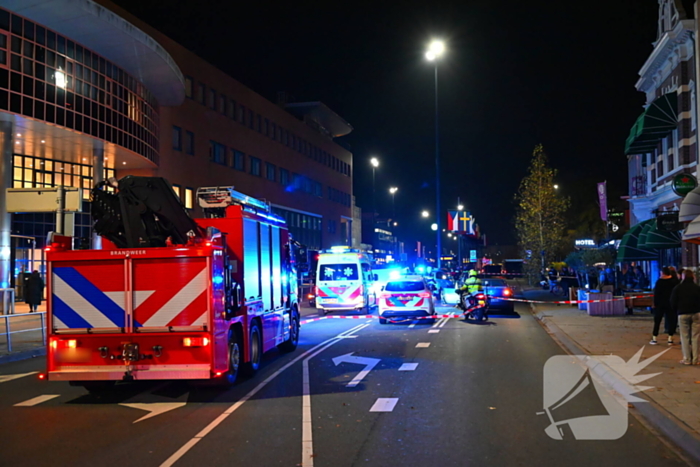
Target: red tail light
[[424, 295], [480, 296], [506, 292]]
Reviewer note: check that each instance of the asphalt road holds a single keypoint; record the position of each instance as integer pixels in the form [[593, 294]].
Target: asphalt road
[[471, 398]]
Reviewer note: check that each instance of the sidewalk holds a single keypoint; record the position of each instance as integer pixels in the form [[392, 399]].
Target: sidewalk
[[24, 344], [675, 393]]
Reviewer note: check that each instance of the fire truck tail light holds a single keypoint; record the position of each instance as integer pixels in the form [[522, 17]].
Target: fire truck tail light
[[41, 376], [218, 373], [64, 344], [195, 341]]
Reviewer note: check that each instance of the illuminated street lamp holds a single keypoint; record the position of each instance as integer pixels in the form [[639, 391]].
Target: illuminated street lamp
[[556, 187], [433, 227], [425, 213], [375, 163], [435, 50], [393, 191]]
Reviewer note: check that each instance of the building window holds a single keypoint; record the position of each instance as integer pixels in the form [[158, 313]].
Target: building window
[[222, 104], [270, 172], [201, 93], [177, 138], [217, 152], [212, 99], [232, 109], [284, 177], [189, 198], [251, 119], [331, 226], [188, 87], [189, 143], [241, 114], [273, 131], [254, 166], [238, 160], [266, 127], [298, 181], [260, 129], [176, 189]]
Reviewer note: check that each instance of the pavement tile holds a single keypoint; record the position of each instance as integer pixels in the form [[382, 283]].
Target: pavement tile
[[675, 388]]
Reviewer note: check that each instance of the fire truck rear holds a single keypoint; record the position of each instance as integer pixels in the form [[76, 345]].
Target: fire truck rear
[[168, 297]]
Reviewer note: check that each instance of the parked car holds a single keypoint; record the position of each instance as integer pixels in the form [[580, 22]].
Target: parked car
[[448, 296], [409, 296], [497, 289]]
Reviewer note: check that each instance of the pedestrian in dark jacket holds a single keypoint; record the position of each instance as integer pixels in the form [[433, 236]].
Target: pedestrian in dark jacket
[[662, 305], [35, 290], [685, 300]]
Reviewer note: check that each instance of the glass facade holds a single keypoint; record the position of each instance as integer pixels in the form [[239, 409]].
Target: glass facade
[[46, 76], [304, 228]]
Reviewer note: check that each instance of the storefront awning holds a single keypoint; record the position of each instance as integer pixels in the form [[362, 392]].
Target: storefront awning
[[690, 206], [630, 250], [661, 239], [691, 234], [658, 120], [642, 238]]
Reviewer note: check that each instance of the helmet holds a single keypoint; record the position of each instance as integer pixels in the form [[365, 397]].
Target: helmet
[[472, 273]]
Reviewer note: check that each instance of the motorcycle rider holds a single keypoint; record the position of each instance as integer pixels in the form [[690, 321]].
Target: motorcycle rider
[[471, 287]]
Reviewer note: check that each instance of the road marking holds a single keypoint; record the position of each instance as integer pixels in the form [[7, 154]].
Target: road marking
[[307, 434], [37, 400], [155, 408], [408, 367], [6, 378], [384, 404], [423, 345], [444, 322], [198, 437], [435, 324], [433, 331], [369, 363], [412, 325]]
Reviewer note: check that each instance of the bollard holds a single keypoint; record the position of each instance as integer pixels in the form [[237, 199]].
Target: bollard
[[43, 327], [7, 333]]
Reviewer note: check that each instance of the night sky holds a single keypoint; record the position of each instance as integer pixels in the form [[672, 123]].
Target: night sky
[[516, 73]]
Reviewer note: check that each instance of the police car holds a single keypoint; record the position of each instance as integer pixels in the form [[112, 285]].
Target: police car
[[407, 297]]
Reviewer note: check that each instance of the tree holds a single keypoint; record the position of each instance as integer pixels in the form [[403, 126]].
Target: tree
[[539, 218]]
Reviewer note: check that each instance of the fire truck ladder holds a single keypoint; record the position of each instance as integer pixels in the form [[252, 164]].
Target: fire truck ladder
[[214, 200]]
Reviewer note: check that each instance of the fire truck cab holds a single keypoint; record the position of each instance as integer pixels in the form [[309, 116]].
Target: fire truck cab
[[168, 297]]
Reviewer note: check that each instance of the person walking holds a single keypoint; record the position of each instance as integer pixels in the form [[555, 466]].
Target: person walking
[[662, 305], [35, 291], [685, 300]]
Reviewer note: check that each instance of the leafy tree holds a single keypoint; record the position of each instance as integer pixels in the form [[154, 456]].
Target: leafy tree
[[539, 218]]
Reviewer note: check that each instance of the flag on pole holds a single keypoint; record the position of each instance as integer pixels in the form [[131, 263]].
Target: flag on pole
[[603, 200]]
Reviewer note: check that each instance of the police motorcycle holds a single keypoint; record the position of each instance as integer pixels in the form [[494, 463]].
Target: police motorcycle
[[474, 305]]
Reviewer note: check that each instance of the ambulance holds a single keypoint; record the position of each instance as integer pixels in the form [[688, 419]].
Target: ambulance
[[344, 281]]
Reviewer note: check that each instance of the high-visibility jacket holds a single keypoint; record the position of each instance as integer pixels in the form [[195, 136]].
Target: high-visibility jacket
[[472, 284]]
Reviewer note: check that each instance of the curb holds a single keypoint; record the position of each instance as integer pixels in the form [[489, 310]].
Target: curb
[[651, 411], [23, 355]]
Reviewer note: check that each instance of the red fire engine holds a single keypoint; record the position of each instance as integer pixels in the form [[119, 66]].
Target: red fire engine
[[168, 297]]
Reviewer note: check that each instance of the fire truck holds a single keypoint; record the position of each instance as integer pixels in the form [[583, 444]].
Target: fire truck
[[168, 297]]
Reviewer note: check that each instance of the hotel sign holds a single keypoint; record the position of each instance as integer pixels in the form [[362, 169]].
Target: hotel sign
[[585, 243]]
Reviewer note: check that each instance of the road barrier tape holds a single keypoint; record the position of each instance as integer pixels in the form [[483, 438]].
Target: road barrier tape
[[572, 302], [391, 320]]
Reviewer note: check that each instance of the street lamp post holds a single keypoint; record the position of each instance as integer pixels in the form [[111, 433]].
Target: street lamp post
[[435, 51], [375, 163], [393, 191]]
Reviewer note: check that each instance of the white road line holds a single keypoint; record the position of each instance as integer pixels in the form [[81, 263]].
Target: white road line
[[433, 331], [423, 345], [435, 324], [412, 325], [384, 404], [307, 434], [444, 322], [6, 378], [37, 400], [408, 367], [198, 437]]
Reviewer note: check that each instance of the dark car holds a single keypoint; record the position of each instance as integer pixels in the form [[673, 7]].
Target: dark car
[[497, 289]]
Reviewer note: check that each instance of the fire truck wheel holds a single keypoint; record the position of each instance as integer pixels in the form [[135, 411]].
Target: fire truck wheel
[[255, 350], [234, 359], [291, 344]]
